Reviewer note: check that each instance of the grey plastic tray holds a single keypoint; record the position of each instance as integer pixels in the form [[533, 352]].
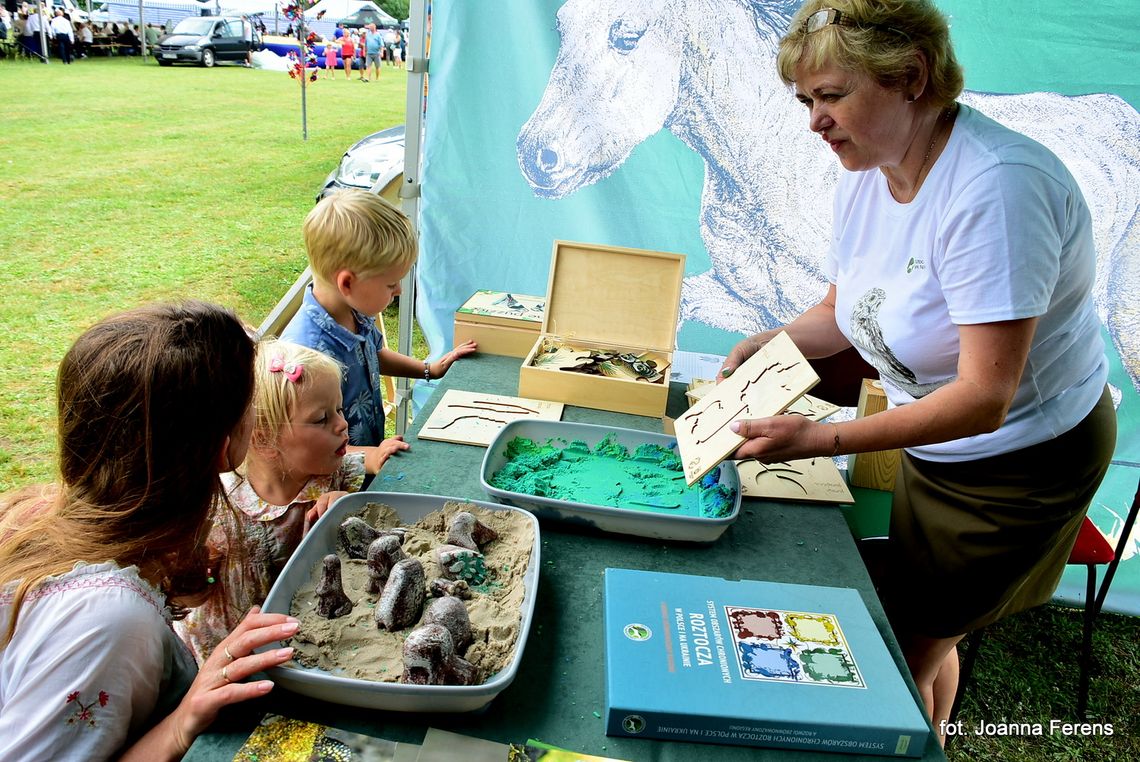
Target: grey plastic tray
[[398, 697], [655, 525]]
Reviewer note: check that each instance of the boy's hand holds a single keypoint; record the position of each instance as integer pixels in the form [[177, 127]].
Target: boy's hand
[[319, 508], [440, 367], [376, 457]]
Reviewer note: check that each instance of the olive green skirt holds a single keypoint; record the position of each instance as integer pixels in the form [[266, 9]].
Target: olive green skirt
[[974, 541]]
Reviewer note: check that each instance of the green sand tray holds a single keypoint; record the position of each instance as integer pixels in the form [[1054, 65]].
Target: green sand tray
[[613, 479]]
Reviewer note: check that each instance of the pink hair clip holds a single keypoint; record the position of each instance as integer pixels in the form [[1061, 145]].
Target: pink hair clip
[[291, 370]]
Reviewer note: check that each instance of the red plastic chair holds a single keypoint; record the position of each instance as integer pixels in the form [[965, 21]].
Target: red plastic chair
[[1091, 550]]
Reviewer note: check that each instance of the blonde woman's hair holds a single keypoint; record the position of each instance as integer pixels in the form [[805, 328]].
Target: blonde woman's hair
[[275, 394], [882, 44], [358, 231]]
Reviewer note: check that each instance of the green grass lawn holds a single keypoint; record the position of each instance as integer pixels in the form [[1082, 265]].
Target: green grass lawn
[[125, 183]]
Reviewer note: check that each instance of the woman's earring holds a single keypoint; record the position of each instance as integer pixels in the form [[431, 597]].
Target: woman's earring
[[910, 98]]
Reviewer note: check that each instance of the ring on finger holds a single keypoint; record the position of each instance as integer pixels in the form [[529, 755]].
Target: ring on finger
[[224, 674], [226, 651]]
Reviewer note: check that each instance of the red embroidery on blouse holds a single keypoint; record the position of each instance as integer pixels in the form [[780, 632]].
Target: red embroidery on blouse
[[86, 712]]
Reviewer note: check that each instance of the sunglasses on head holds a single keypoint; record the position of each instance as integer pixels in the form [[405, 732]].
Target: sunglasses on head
[[829, 16]]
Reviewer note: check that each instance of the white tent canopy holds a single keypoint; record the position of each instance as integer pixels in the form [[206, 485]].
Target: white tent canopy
[[248, 7], [335, 10]]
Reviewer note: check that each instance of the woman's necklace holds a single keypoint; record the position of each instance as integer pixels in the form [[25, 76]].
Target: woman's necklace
[[943, 117]]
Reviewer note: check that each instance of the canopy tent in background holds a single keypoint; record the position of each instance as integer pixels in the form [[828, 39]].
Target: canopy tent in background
[[336, 10], [595, 132]]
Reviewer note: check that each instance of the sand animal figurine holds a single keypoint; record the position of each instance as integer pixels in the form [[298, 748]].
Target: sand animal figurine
[[462, 563], [440, 587], [430, 659], [466, 531], [355, 536], [450, 612], [331, 600], [402, 601], [383, 554]]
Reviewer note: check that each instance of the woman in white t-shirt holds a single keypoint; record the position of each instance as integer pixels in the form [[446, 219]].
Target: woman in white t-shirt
[[961, 268]]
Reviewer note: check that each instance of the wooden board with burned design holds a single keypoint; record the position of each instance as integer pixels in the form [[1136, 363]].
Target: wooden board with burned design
[[766, 384], [814, 480], [474, 418]]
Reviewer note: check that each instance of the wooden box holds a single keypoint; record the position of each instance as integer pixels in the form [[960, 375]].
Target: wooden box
[[873, 470], [610, 299], [502, 323]]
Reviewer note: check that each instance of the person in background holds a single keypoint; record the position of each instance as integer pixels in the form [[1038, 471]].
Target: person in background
[[347, 53], [64, 35], [360, 247], [153, 404], [961, 267], [150, 33], [84, 39], [330, 59], [373, 44], [338, 33], [361, 55], [401, 48], [32, 34]]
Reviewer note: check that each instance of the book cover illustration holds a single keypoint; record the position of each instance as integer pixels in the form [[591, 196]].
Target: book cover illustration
[[505, 305], [791, 646]]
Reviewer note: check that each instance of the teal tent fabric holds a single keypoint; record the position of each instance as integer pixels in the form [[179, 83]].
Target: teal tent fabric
[[742, 191]]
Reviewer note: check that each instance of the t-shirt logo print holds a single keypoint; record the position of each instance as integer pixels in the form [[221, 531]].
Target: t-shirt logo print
[[868, 336], [913, 264]]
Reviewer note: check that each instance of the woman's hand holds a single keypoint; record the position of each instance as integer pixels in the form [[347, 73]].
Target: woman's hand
[[742, 351], [217, 684], [320, 507], [784, 437], [440, 367]]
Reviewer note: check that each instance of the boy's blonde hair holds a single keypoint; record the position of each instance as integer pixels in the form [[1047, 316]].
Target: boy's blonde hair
[[358, 231], [284, 371]]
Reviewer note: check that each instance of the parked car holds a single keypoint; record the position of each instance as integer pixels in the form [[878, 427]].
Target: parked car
[[375, 163], [205, 40]]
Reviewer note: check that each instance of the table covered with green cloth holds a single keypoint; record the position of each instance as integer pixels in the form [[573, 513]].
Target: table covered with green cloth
[[558, 693]]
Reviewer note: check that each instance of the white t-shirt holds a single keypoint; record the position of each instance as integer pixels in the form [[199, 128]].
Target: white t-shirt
[[998, 231], [93, 664]]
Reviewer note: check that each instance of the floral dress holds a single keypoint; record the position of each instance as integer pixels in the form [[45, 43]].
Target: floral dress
[[270, 534]]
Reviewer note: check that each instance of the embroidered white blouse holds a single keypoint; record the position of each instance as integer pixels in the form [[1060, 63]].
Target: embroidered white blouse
[[93, 665]]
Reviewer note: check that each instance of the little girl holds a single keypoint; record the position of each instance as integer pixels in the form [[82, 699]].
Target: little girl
[[296, 467], [330, 59]]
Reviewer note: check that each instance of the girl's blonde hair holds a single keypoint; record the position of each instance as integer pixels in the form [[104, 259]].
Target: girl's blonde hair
[[284, 371], [146, 402], [882, 43]]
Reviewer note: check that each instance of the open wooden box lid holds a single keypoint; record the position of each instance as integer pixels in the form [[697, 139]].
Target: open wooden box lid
[[614, 295]]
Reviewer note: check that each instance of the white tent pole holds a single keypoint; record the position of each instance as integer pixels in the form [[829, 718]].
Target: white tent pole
[[416, 66], [142, 33]]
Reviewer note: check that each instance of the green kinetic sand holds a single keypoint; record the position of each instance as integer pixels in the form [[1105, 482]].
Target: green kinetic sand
[[651, 479]]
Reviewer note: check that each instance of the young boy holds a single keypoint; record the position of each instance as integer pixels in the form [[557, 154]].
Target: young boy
[[360, 247]]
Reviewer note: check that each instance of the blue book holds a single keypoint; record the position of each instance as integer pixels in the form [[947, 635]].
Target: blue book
[[752, 663]]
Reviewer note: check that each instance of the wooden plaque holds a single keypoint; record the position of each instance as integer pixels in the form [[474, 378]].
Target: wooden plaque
[[766, 384], [474, 418]]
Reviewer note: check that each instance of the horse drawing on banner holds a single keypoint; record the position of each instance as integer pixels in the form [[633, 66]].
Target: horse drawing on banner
[[705, 70]]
